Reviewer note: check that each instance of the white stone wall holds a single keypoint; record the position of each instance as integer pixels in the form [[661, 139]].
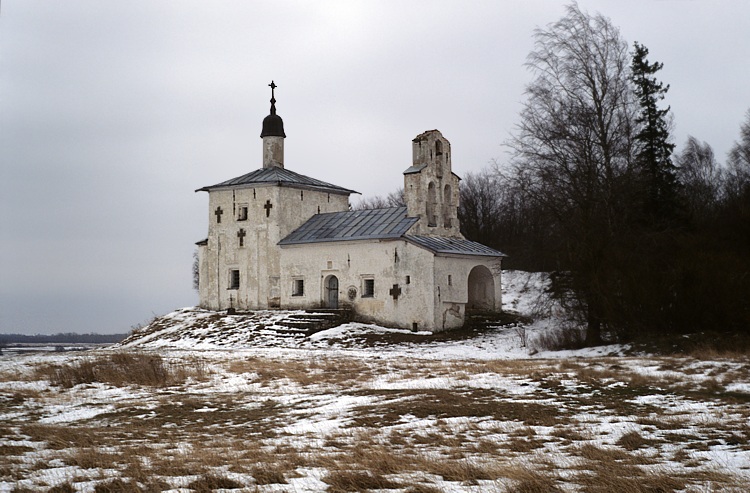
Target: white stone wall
[[386, 262], [272, 213], [434, 296], [452, 285]]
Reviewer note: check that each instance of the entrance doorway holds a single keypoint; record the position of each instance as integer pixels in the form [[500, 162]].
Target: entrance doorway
[[332, 292], [481, 289]]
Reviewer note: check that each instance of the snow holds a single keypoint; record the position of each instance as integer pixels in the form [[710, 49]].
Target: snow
[[588, 397]]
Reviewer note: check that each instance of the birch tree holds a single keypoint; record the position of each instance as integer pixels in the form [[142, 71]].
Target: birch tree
[[573, 148]]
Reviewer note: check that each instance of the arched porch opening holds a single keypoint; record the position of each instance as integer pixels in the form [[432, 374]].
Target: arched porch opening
[[481, 289]]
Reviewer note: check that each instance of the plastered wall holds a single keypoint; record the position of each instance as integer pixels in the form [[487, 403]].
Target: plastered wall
[[248, 242]]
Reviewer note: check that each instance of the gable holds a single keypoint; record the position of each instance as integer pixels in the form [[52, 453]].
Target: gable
[[278, 177]]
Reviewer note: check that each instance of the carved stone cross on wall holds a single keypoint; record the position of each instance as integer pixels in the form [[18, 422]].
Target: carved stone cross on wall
[[395, 291], [268, 207], [218, 213], [241, 235]]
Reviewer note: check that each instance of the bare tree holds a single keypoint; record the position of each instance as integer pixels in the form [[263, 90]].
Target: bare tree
[[738, 174], [479, 209], [573, 148], [393, 199], [700, 176]]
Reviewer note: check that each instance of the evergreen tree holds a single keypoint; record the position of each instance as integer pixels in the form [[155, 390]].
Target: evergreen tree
[[653, 156]]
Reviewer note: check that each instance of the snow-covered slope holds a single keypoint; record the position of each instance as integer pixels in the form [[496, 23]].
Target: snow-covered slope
[[194, 328]]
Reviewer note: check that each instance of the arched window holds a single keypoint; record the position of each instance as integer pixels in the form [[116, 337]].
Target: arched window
[[431, 205], [438, 148], [447, 206]]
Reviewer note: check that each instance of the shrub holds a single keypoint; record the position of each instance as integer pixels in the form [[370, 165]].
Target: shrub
[[561, 338], [119, 369]]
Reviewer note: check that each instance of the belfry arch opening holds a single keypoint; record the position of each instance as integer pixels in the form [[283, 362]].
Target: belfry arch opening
[[431, 205], [481, 287], [447, 206]]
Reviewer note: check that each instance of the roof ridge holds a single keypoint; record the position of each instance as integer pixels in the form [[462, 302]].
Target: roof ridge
[[277, 176]]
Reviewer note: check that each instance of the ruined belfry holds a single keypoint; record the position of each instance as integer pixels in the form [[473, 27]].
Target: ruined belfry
[[280, 239], [431, 188]]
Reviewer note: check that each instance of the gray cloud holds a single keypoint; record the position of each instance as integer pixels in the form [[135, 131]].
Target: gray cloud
[[112, 113]]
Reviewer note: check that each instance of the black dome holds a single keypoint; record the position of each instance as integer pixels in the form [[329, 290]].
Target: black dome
[[273, 125]]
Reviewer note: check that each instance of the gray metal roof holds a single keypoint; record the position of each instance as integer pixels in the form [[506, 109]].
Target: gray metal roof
[[280, 177], [415, 168], [373, 224], [369, 224], [440, 244]]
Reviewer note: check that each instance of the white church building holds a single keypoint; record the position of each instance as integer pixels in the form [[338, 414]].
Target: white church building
[[279, 239]]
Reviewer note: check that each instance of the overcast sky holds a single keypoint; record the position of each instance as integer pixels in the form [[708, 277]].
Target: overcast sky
[[114, 112]]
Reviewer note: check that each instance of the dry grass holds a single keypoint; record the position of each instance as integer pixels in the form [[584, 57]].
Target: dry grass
[[58, 437], [633, 440], [346, 481], [463, 471], [122, 369], [604, 481], [320, 371], [459, 403], [62, 488], [377, 435], [269, 474], [528, 481], [92, 458], [209, 482], [423, 488]]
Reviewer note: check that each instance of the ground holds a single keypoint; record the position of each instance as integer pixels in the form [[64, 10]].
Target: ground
[[344, 411]]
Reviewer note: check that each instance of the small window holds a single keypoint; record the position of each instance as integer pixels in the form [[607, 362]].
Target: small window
[[408, 279], [298, 287], [368, 288], [242, 213], [234, 279], [450, 280]]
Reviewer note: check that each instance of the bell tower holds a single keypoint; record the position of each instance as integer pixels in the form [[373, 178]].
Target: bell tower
[[431, 188]]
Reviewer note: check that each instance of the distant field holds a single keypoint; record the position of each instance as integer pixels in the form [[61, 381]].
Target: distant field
[[370, 420]]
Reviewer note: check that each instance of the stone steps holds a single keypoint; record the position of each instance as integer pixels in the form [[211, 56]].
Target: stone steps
[[313, 321]]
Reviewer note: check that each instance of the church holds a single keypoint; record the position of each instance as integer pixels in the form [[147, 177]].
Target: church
[[280, 239]]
